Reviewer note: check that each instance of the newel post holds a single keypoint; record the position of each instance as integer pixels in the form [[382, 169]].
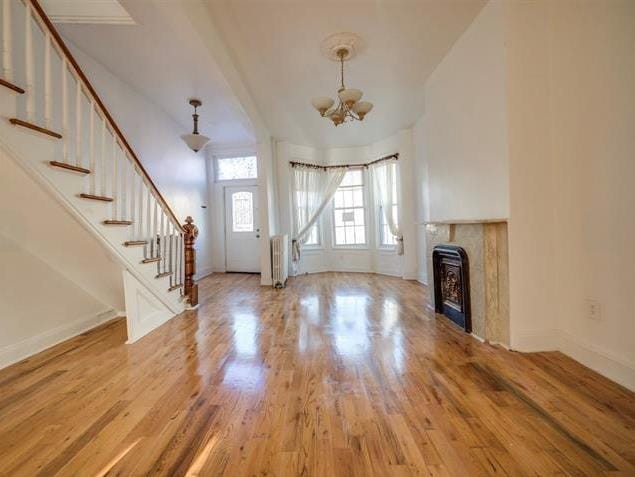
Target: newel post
[[190, 288]]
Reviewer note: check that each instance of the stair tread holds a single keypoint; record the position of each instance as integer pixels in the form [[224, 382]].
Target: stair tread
[[175, 287], [150, 260], [117, 222], [163, 274], [69, 167], [131, 243], [14, 87], [34, 127], [96, 197]]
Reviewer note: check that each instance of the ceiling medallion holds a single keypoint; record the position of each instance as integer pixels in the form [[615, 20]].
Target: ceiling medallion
[[342, 47]]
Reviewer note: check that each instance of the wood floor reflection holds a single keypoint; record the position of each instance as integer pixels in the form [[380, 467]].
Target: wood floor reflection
[[338, 374]]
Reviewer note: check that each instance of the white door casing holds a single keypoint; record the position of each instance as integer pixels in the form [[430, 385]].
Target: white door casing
[[242, 229]]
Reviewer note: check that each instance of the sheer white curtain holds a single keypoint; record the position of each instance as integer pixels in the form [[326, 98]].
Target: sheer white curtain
[[312, 188], [384, 180]]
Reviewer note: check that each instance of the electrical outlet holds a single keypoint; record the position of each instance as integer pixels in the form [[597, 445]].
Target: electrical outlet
[[593, 310]]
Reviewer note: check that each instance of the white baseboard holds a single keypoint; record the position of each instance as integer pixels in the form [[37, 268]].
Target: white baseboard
[[421, 278], [16, 352], [477, 337], [204, 273], [530, 341], [599, 360], [605, 363]]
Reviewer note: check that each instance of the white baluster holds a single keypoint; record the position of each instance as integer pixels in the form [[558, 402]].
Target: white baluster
[[78, 124], [28, 49], [91, 147], [155, 230], [172, 250], [162, 232], [140, 217], [7, 60], [64, 110], [148, 218], [102, 159], [114, 178], [47, 80], [133, 196], [124, 186]]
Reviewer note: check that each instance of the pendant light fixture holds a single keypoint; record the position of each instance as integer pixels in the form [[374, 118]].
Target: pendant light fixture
[[195, 141], [341, 47]]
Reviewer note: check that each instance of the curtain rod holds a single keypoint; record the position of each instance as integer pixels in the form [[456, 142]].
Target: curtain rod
[[346, 166]]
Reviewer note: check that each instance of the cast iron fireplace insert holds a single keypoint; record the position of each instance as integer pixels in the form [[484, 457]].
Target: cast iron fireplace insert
[[452, 284]]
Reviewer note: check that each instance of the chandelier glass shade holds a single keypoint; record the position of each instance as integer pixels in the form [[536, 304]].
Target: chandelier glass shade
[[348, 107], [195, 141]]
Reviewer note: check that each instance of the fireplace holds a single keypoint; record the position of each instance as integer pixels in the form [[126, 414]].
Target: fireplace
[[452, 284]]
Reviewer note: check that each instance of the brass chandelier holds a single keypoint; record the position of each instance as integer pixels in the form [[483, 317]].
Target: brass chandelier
[[349, 107]]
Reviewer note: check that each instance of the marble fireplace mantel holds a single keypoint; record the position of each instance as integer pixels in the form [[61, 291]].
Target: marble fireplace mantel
[[463, 221], [485, 241]]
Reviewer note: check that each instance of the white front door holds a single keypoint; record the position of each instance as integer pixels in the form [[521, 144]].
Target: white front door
[[242, 231]]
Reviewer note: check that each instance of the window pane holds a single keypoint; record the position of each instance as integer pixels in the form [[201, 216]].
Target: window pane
[[358, 216], [338, 218], [352, 178], [243, 212], [350, 235], [360, 234], [232, 168], [339, 199], [358, 197], [314, 236], [348, 216], [340, 237]]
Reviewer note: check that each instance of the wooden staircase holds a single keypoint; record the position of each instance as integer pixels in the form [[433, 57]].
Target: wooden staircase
[[59, 130]]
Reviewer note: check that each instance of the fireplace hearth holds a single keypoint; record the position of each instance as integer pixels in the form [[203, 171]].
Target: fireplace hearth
[[452, 284]]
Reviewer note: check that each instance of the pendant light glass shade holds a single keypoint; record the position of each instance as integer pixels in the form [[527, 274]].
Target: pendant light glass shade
[[195, 142], [362, 108], [322, 104], [350, 96]]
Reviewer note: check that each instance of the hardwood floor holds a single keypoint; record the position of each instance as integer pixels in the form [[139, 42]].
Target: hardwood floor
[[338, 374]]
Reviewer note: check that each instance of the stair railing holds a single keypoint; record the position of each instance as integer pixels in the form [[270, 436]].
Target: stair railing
[[92, 144]]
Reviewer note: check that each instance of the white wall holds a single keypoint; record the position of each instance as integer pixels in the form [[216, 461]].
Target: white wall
[[366, 259], [179, 173], [466, 125], [581, 110], [39, 307], [536, 98]]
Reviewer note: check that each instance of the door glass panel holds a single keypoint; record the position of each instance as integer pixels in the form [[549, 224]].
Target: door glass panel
[[243, 212]]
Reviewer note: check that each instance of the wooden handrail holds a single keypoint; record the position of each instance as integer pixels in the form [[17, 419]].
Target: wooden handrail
[[115, 128]]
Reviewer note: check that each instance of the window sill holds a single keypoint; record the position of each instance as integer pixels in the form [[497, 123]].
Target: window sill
[[350, 247], [387, 248], [311, 248]]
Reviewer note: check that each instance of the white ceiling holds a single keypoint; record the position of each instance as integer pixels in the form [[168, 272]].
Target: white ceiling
[[276, 47], [162, 58]]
